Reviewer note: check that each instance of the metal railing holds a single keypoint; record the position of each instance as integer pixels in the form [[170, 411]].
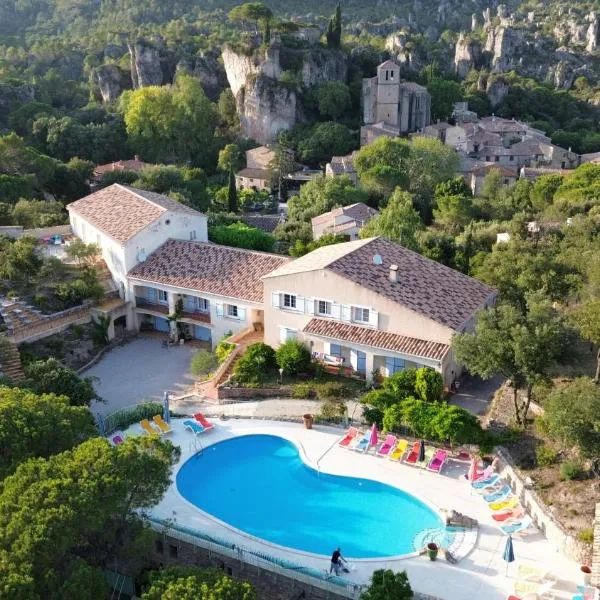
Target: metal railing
[[309, 575]]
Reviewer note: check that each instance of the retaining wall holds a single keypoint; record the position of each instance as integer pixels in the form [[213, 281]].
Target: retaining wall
[[229, 393], [596, 549]]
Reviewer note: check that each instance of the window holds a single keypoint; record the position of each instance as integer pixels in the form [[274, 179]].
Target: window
[[193, 234], [391, 74], [163, 297], [511, 157], [497, 158], [285, 334], [323, 307], [393, 365], [232, 311], [202, 304], [506, 182], [289, 301], [488, 159], [361, 314], [387, 75], [158, 545], [335, 350], [172, 550]]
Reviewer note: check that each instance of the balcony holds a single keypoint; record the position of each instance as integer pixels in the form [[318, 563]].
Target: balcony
[[144, 303], [197, 315]]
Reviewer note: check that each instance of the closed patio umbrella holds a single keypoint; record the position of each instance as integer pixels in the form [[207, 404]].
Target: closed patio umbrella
[[422, 451], [472, 470], [100, 423], [166, 411], [373, 440], [509, 553]]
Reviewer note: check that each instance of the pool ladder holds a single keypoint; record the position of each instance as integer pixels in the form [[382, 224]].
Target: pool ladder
[[196, 448]]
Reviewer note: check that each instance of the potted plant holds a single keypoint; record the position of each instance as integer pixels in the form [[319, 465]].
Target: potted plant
[[432, 550], [587, 574], [308, 421]]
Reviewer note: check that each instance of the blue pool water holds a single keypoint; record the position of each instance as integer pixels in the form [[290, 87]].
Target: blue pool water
[[260, 485]]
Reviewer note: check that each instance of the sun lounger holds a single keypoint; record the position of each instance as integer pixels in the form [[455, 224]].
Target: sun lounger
[[193, 426], [430, 452], [483, 483], [349, 437], [387, 446], [362, 444], [523, 588], [485, 474], [398, 452], [498, 495], [117, 439], [517, 526], [413, 455], [506, 515], [204, 421], [160, 423], [148, 428], [534, 573], [510, 502], [437, 462]]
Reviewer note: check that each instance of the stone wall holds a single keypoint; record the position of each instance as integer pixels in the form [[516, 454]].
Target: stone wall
[[230, 393], [596, 549], [554, 532]]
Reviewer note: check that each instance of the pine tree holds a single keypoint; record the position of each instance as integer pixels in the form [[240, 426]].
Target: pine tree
[[232, 199]]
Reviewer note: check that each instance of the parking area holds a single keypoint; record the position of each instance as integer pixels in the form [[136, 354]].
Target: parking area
[[139, 371]]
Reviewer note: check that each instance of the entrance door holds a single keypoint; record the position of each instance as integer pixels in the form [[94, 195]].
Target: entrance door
[[358, 360]]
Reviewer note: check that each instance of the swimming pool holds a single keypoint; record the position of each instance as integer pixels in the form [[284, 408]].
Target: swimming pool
[[260, 485]]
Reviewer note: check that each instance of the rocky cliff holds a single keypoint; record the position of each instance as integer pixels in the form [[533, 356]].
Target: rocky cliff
[[320, 66], [467, 55], [145, 63], [238, 67], [110, 80]]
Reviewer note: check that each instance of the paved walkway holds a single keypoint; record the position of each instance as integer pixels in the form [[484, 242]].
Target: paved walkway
[[475, 394], [140, 371]]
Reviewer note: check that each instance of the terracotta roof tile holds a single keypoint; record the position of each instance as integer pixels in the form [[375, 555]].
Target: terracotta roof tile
[[424, 285], [209, 268], [121, 212], [384, 340]]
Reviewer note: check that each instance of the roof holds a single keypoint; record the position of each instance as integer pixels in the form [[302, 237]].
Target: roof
[[253, 173], [134, 164], [266, 223], [343, 164], [485, 170], [121, 212], [383, 340], [209, 268], [500, 124], [532, 173], [357, 212], [424, 285]]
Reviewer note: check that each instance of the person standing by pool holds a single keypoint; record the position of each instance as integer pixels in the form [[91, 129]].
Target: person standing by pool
[[337, 561]]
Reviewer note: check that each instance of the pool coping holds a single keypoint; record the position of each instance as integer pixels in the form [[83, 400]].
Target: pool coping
[[307, 462]]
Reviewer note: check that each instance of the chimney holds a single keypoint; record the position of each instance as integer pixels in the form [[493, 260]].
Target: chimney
[[394, 273]]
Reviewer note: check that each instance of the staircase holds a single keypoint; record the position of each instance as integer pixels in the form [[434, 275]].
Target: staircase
[[10, 361], [209, 389]]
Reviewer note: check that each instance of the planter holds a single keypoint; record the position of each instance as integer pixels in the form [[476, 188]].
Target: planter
[[586, 573], [308, 421], [432, 551]]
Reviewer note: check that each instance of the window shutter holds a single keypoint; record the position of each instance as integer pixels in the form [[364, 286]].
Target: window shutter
[[219, 307], [275, 299], [346, 313], [282, 335], [241, 314], [300, 304], [310, 306], [335, 310], [373, 318], [151, 294], [326, 348], [354, 359]]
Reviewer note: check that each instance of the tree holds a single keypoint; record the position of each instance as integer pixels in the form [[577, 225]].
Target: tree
[[324, 140], [230, 158], [453, 212], [444, 94], [521, 347], [19, 259], [334, 28], [202, 363], [50, 377], [586, 318], [256, 362], [253, 12], [382, 165], [66, 518], [191, 583], [300, 248], [387, 585], [82, 253], [170, 123], [398, 221], [544, 188], [429, 384], [31, 214], [293, 357], [232, 200], [38, 426], [333, 99], [572, 416], [282, 164], [241, 235]]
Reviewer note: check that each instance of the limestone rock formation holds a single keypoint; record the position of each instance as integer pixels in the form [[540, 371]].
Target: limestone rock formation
[[239, 67], [467, 55], [265, 107], [506, 46], [145, 64], [496, 91], [111, 81], [474, 22], [322, 66], [592, 33], [211, 73]]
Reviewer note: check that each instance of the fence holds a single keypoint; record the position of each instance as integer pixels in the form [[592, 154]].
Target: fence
[[308, 575], [123, 417]]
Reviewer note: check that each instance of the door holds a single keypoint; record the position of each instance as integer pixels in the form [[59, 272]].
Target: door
[[358, 360]]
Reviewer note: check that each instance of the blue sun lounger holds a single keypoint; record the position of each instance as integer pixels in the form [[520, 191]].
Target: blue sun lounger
[[481, 484], [499, 495], [193, 426]]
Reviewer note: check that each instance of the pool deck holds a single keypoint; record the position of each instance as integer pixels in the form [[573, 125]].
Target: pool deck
[[481, 575]]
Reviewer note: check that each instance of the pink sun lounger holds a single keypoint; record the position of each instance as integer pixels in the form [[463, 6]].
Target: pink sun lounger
[[388, 444], [349, 437], [437, 462]]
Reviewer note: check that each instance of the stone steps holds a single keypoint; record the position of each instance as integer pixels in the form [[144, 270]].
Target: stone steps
[[10, 361]]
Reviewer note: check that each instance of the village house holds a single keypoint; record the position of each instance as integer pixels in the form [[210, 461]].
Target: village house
[[256, 174], [346, 221], [134, 165], [342, 165]]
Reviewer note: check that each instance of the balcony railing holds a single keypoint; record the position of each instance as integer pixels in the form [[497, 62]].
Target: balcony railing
[[197, 315], [153, 306]]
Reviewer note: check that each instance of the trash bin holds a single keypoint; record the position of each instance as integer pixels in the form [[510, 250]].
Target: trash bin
[[308, 421]]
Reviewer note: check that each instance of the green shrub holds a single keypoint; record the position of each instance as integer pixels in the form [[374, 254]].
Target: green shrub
[[127, 416], [331, 389], [571, 470], [294, 357], [333, 410], [373, 415], [401, 384], [379, 399], [223, 350], [545, 456], [429, 384], [254, 364], [202, 363], [303, 390], [586, 535]]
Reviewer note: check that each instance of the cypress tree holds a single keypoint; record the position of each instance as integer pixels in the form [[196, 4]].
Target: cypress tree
[[338, 26], [232, 199]]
